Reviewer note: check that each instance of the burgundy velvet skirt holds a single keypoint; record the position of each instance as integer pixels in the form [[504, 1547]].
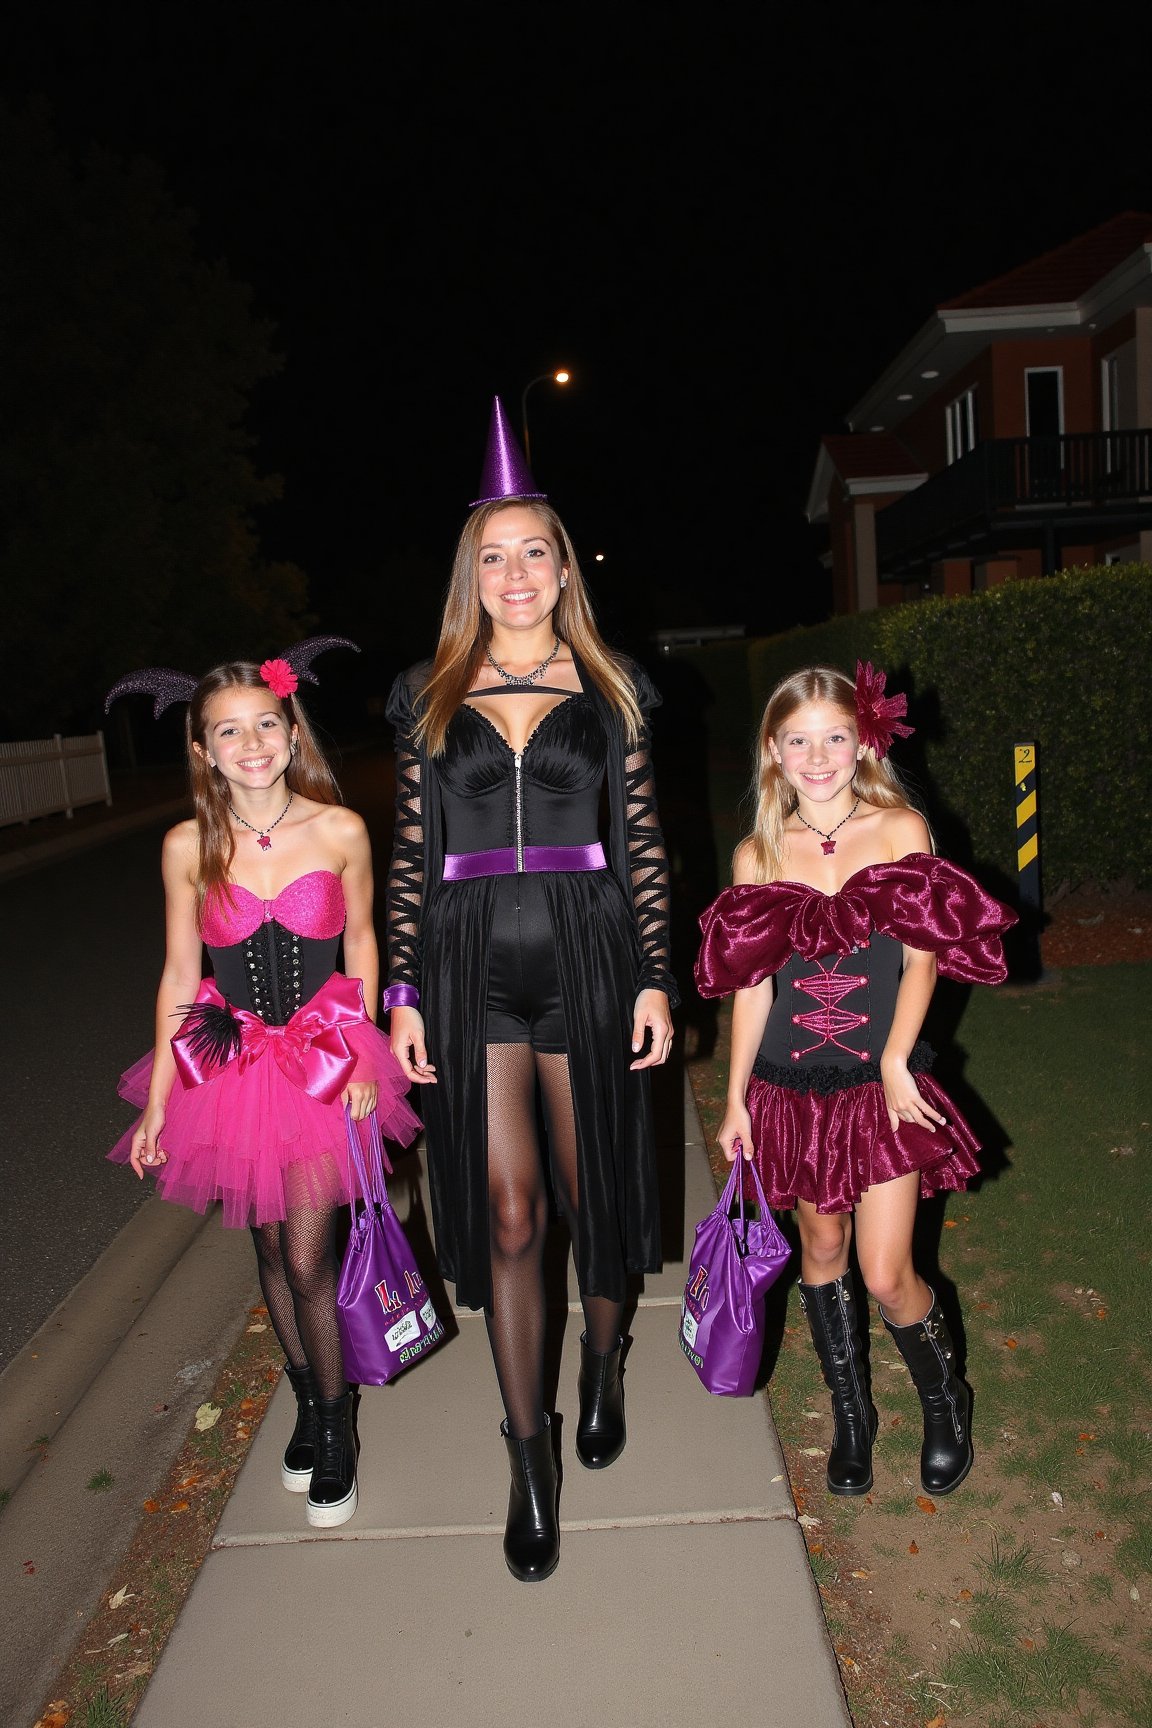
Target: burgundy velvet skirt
[[829, 1147]]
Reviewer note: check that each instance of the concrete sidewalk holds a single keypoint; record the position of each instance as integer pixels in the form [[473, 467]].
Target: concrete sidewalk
[[683, 1592]]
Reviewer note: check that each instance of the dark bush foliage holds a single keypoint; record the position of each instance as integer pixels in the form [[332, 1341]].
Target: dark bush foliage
[[1062, 663]]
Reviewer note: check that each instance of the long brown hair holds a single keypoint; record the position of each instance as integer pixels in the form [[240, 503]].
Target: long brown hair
[[875, 780], [308, 772], [466, 629]]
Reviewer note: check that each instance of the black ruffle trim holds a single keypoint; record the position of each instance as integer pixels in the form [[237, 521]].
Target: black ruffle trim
[[826, 1078]]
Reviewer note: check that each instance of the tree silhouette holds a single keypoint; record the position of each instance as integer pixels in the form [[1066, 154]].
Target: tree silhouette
[[128, 488]]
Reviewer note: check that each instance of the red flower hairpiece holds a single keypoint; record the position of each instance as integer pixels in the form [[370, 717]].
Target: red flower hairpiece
[[877, 715], [279, 677]]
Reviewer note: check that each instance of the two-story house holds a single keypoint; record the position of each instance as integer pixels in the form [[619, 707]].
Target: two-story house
[[1010, 438]]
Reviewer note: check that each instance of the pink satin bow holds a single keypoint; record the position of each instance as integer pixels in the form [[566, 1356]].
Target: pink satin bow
[[311, 1049]]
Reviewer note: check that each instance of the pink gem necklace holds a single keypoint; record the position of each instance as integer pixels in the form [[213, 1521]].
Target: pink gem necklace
[[827, 844], [263, 835]]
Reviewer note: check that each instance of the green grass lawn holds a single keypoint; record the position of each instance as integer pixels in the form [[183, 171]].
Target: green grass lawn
[[1030, 1589]]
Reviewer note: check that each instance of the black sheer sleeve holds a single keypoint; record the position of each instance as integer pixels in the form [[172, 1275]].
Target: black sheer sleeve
[[647, 859], [404, 896]]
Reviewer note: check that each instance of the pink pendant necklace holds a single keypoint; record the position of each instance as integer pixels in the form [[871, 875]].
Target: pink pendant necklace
[[827, 844], [263, 835]]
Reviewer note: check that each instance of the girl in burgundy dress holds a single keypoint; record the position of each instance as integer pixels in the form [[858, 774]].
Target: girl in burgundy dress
[[244, 1096], [831, 937]]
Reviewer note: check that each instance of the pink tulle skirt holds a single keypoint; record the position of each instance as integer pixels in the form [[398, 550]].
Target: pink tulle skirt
[[258, 1142], [828, 1148]]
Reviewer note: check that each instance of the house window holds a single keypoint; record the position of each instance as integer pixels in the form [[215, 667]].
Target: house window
[[1044, 399], [962, 425]]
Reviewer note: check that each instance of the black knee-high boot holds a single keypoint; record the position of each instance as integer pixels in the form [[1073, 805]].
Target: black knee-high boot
[[930, 1357], [300, 1452], [332, 1494], [600, 1433], [532, 1536], [831, 1313]]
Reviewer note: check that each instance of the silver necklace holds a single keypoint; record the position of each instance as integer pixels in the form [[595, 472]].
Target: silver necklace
[[828, 845], [263, 834], [525, 677]]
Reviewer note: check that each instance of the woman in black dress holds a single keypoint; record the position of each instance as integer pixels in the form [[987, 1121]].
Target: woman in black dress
[[527, 959]]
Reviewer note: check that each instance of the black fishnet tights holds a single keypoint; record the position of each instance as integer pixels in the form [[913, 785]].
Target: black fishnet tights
[[298, 1275], [518, 1224]]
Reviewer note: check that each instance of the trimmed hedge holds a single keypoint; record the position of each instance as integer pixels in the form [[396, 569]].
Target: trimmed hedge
[[1062, 662]]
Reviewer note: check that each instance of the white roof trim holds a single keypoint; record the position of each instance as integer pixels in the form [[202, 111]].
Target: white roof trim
[[893, 483]]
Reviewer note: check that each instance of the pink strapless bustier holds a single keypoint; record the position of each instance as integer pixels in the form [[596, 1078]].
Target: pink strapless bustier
[[312, 905]]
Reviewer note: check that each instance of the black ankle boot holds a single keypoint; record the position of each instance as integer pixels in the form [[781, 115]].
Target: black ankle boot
[[300, 1452], [332, 1492], [600, 1432], [532, 1536], [831, 1313], [930, 1357]]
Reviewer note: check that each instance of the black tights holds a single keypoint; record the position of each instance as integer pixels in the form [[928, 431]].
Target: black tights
[[518, 1224], [298, 1275]]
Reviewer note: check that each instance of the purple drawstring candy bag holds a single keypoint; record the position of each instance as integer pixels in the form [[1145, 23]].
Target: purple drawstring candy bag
[[734, 1262]]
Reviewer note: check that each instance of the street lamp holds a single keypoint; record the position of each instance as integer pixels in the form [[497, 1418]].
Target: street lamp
[[560, 377]]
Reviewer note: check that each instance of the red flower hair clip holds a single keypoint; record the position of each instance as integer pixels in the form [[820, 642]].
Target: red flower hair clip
[[878, 717], [279, 677]]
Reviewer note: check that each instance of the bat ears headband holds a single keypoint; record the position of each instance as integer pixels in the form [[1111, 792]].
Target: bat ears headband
[[878, 717], [282, 675]]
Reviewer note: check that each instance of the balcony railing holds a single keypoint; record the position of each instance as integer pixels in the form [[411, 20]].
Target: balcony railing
[[1008, 485]]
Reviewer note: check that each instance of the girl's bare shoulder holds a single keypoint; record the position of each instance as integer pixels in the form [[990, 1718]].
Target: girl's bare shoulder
[[339, 824], [903, 830], [744, 864], [180, 855]]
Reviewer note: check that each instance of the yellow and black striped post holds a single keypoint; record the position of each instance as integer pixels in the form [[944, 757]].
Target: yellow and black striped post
[[1027, 825]]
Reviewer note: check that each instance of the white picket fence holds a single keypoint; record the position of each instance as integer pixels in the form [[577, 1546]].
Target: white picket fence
[[43, 776]]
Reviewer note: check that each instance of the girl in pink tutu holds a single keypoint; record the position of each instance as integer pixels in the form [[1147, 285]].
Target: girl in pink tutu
[[245, 1093], [831, 938]]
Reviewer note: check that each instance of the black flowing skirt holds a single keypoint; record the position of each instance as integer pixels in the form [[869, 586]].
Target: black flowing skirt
[[597, 960]]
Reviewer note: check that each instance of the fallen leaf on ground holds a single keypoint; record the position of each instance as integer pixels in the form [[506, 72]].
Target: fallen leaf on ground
[[207, 1417], [120, 1597], [180, 1506], [925, 1504], [57, 1715], [29, 1567], [259, 1327], [913, 1547], [1010, 1343], [151, 1505]]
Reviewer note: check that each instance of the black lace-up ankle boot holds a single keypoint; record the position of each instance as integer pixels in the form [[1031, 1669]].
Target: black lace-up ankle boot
[[930, 1357], [332, 1493], [532, 1536], [600, 1434], [300, 1452], [831, 1312]]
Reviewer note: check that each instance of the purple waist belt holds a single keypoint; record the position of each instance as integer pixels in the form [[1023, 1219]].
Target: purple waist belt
[[462, 866]]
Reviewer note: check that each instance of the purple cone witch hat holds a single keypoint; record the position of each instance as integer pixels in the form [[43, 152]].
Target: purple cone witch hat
[[506, 472]]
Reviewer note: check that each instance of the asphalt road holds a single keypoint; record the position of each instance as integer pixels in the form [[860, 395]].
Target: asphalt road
[[82, 944]]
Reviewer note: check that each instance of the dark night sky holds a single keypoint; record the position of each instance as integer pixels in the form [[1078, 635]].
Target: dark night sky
[[726, 230]]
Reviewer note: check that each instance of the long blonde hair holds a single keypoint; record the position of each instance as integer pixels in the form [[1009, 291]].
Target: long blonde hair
[[466, 630], [308, 773], [875, 781]]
